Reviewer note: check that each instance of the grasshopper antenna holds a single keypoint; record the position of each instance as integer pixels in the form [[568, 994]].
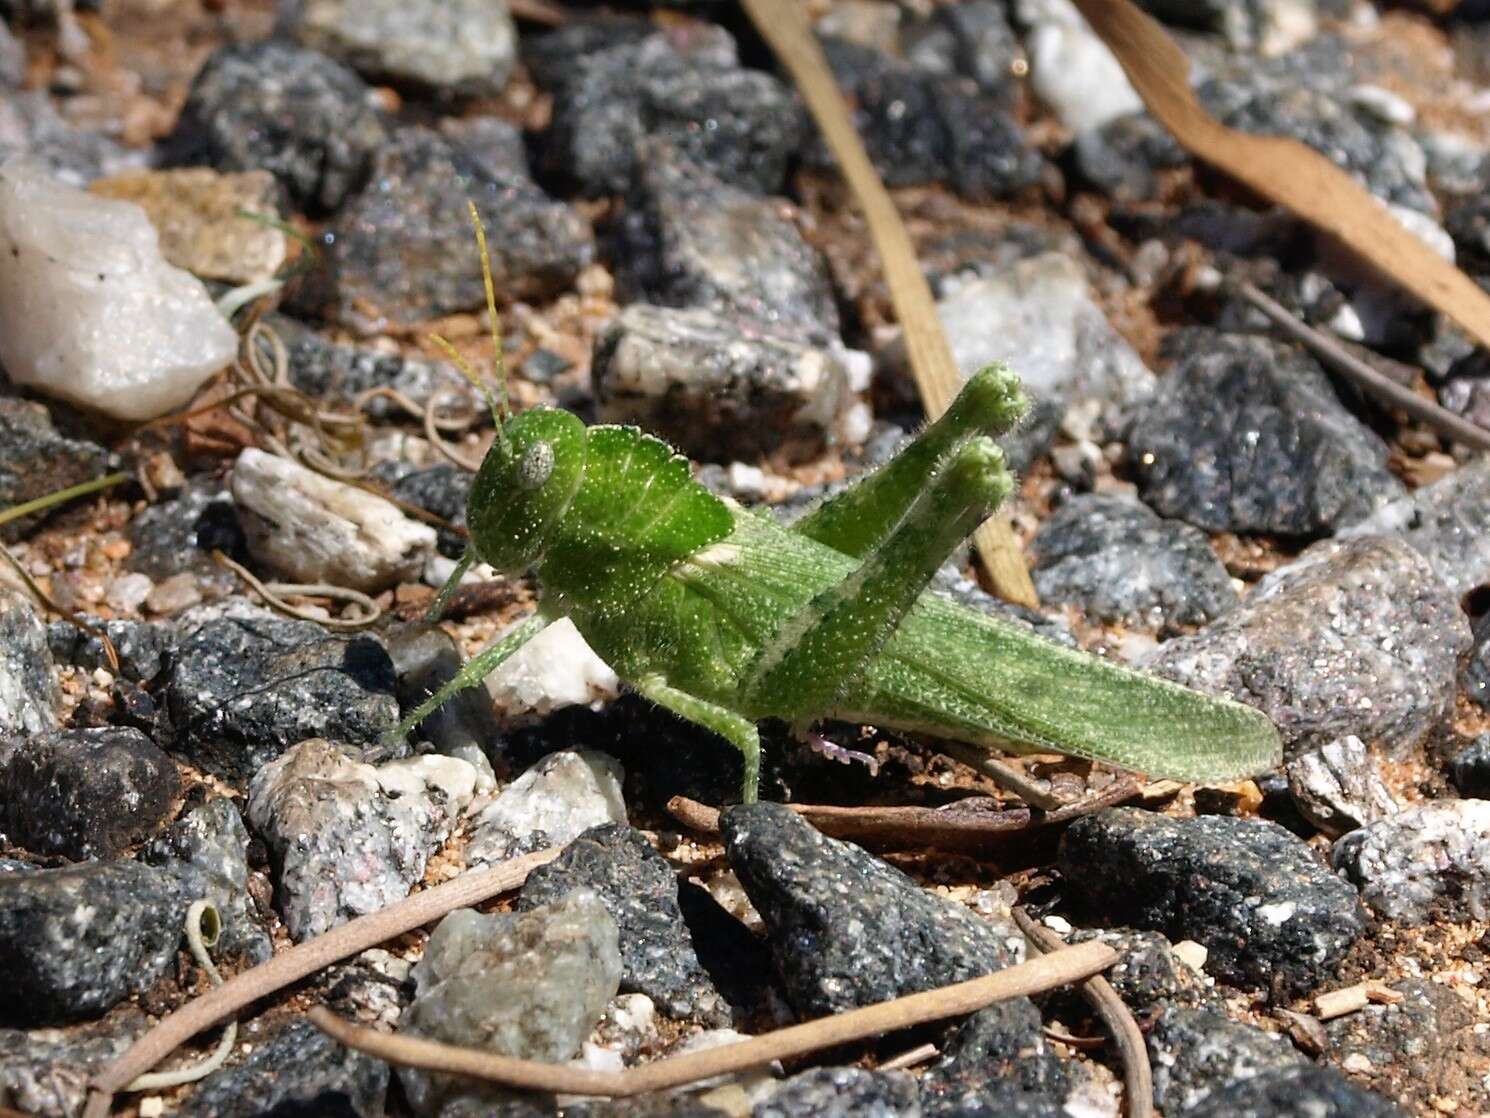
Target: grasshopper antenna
[[499, 359], [496, 401]]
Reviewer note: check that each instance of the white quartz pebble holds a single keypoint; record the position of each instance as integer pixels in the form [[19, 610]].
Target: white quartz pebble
[[89, 310]]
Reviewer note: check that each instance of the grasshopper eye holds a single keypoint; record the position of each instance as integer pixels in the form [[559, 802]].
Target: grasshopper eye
[[537, 465]]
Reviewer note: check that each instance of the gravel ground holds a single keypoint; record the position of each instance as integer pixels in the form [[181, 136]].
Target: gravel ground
[[672, 248]]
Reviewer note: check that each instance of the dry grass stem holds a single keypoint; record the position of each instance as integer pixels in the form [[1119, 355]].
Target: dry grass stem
[[1059, 968], [301, 960], [783, 24], [1138, 1076]]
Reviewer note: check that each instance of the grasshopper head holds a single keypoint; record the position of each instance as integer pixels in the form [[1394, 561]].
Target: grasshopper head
[[524, 486]]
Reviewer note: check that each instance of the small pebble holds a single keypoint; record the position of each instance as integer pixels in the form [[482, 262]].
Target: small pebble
[[175, 594], [1428, 860], [531, 985], [551, 804]]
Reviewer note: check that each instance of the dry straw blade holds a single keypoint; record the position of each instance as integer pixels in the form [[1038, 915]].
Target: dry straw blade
[[783, 24], [1284, 171]]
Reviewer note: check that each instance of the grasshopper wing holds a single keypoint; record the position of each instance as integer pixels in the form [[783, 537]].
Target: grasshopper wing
[[960, 674]]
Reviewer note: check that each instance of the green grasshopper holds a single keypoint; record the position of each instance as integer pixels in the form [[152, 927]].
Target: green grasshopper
[[725, 617]]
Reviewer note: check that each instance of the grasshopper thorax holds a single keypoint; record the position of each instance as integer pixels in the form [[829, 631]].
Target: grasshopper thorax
[[524, 487]]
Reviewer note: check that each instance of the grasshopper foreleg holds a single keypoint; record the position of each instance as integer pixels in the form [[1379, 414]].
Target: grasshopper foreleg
[[476, 669], [442, 599], [861, 517], [738, 730], [802, 673]]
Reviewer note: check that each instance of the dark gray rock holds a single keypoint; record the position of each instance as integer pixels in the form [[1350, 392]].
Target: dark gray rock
[[685, 234], [206, 850], [998, 1062], [972, 40], [550, 57], [402, 251], [1117, 561], [325, 369], [1475, 676], [1338, 787], [36, 459], [1148, 974], [85, 793], [1245, 434], [1447, 522], [1428, 861], [143, 648], [46, 1072], [496, 146], [29, 695], [1471, 769], [920, 127], [179, 535], [1292, 99], [297, 1070], [683, 86], [1468, 222], [1355, 638], [1195, 1052], [75, 941], [715, 390], [845, 929], [1421, 1047], [1295, 1092], [270, 105], [640, 891], [31, 126], [442, 489], [1122, 158], [349, 838], [465, 726], [1255, 895], [843, 1093], [247, 686]]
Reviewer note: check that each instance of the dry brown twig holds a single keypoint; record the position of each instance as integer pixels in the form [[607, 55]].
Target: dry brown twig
[[1284, 171], [945, 828], [1059, 968], [299, 961], [1369, 380], [1138, 1076], [271, 592], [1352, 999], [783, 24]]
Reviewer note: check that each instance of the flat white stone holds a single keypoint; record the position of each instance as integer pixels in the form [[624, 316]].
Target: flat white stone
[[1071, 69], [313, 529], [555, 669], [90, 312]]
